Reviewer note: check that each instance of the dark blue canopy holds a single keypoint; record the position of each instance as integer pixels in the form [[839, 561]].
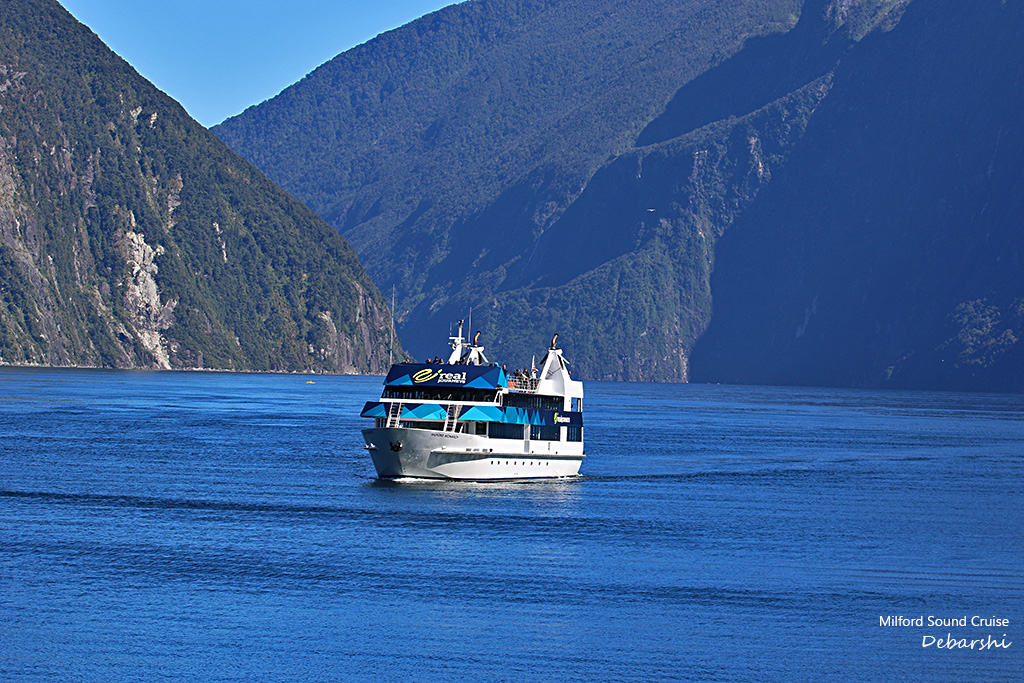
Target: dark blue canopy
[[431, 375]]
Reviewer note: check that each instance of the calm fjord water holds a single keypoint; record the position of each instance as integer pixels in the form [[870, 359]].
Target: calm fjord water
[[200, 526]]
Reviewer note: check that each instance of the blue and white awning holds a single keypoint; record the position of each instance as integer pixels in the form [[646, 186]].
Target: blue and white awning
[[424, 411], [374, 409], [483, 414]]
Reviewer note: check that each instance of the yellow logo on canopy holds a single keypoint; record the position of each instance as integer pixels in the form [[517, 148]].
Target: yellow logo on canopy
[[425, 375]]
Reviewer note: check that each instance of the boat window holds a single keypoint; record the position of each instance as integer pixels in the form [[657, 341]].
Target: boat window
[[438, 394], [577, 404], [545, 432], [416, 424], [574, 433], [499, 430], [534, 402]]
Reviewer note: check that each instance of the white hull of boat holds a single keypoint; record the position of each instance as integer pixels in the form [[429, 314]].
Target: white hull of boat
[[400, 452]]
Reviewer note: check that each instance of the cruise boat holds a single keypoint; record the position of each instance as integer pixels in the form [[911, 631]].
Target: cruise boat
[[467, 418]]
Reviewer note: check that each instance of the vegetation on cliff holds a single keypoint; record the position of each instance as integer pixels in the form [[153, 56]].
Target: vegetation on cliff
[[446, 151], [130, 236]]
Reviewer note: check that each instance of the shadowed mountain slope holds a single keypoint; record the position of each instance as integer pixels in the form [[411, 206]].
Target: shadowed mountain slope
[[444, 150], [890, 250], [571, 167]]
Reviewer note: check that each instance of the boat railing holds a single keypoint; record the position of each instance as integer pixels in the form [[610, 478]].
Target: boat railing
[[524, 384]]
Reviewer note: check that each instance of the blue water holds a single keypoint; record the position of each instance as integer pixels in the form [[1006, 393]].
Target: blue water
[[227, 527]]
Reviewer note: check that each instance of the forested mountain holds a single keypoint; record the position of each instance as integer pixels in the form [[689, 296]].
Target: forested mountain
[[446, 150], [130, 236], [890, 248], [848, 169]]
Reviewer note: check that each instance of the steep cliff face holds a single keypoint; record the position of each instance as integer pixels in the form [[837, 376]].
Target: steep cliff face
[[889, 251], [131, 237], [625, 270]]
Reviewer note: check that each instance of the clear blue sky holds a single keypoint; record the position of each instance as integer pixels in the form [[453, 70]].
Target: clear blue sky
[[217, 57]]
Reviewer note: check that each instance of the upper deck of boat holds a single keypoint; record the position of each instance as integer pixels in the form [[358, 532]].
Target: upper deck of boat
[[526, 385]]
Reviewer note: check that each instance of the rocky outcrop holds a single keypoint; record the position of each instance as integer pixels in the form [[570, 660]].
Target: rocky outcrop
[[142, 297]]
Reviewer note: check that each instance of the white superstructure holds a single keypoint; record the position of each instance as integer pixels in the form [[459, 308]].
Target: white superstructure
[[466, 418]]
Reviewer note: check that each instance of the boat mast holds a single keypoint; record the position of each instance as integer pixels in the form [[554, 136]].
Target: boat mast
[[456, 344]]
